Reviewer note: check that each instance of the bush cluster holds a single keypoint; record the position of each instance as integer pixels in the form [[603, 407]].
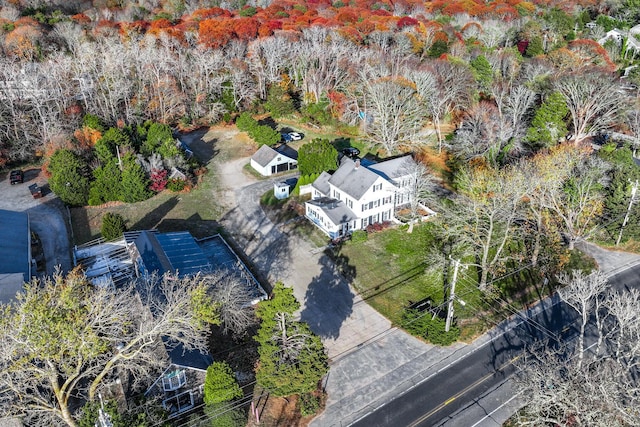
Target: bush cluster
[[424, 325], [378, 226], [261, 134], [309, 404], [132, 163], [113, 225]]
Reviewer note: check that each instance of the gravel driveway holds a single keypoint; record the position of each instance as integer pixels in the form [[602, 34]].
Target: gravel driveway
[[46, 215]]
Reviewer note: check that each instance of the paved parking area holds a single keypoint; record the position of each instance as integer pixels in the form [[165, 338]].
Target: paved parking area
[[47, 217]]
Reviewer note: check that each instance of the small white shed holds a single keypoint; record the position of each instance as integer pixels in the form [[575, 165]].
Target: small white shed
[[281, 190]]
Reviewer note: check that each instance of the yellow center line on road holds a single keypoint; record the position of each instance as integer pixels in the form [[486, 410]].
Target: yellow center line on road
[[457, 395]]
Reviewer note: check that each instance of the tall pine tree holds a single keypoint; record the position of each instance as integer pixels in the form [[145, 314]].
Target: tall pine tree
[[292, 357], [135, 184]]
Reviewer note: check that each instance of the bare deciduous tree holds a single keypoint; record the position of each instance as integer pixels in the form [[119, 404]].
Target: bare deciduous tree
[[64, 338], [236, 310], [593, 101], [571, 183], [483, 218], [567, 385], [420, 185], [391, 110], [582, 292], [451, 93]]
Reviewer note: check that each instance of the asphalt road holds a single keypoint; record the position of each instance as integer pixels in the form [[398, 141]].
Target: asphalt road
[[442, 397]]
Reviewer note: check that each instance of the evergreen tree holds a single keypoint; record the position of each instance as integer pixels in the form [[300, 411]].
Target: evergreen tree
[[535, 47], [69, 177], [622, 178], [113, 225], [158, 135], [482, 72], [93, 122], [548, 124], [135, 184], [292, 357], [317, 156], [220, 384], [107, 185], [279, 102]]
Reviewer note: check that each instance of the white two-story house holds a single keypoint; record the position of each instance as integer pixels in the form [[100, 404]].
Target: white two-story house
[[355, 195]]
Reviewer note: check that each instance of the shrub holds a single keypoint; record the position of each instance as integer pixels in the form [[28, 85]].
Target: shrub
[[309, 404], [269, 199], [93, 122], [176, 184], [359, 236], [423, 324], [113, 225], [158, 180], [220, 384], [378, 226]]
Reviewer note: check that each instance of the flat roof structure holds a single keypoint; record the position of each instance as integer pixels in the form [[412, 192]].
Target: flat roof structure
[[146, 252], [15, 252]]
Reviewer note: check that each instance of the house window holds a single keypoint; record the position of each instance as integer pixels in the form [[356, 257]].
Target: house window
[[364, 207], [350, 203], [278, 159], [386, 200], [174, 380]]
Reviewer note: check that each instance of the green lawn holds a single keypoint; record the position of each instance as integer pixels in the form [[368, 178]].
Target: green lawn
[[392, 268], [196, 211]]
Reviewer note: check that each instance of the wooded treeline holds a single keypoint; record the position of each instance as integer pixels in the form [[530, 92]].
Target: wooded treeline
[[513, 80]]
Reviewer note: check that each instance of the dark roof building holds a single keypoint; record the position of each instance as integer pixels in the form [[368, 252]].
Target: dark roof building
[[15, 253], [167, 253]]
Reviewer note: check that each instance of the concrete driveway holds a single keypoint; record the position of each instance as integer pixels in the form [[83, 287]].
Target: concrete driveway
[[370, 360], [329, 305], [46, 215]]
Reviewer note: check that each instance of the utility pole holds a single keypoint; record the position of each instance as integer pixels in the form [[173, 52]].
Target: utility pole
[[634, 189], [452, 295]]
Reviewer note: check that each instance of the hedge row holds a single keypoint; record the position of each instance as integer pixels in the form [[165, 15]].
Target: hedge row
[[261, 134]]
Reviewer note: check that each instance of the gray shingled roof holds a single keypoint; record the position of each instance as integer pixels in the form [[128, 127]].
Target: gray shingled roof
[[335, 209], [266, 154], [394, 168], [322, 183], [353, 180]]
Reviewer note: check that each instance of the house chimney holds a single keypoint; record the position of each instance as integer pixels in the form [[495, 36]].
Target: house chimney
[[357, 163]]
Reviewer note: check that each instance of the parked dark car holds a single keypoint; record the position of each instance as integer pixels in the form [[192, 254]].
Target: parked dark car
[[36, 191], [286, 138], [16, 177], [351, 152]]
